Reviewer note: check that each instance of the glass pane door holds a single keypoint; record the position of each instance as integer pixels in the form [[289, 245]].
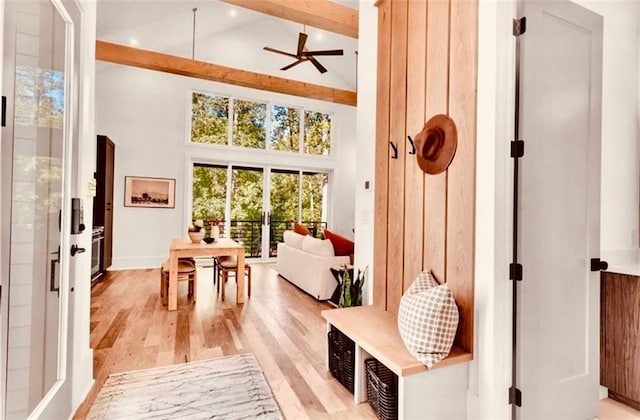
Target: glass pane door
[[284, 204], [314, 201], [257, 209], [209, 193], [247, 194], [37, 185]]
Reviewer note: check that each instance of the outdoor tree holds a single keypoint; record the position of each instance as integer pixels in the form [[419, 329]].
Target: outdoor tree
[[285, 128], [317, 135], [249, 119], [209, 118]]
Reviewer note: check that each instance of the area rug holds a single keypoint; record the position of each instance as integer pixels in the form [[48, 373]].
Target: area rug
[[231, 387]]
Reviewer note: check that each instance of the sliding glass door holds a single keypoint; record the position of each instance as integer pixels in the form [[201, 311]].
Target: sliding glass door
[[247, 209], [255, 205]]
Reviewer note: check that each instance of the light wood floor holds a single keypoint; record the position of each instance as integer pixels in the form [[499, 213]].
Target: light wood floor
[[281, 325], [614, 410]]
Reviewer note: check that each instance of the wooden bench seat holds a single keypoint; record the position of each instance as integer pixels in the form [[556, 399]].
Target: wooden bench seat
[[375, 333]]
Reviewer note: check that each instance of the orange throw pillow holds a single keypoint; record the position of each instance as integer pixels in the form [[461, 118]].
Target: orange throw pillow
[[341, 245], [301, 229]]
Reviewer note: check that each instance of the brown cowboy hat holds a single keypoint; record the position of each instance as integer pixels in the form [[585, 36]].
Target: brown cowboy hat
[[436, 144]]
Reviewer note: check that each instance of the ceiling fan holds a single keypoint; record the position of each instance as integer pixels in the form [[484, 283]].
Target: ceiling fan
[[303, 55]]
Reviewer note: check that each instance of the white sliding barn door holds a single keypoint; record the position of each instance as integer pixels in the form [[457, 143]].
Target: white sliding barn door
[[559, 225]]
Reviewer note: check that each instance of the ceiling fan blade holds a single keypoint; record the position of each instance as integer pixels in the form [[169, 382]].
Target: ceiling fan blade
[[323, 52], [295, 63], [302, 40], [319, 66], [279, 52]]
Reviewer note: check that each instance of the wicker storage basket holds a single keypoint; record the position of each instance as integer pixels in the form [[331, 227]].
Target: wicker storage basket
[[382, 390], [341, 357]]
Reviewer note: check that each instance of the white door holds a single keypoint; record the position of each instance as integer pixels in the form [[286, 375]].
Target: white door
[[560, 114], [38, 168]]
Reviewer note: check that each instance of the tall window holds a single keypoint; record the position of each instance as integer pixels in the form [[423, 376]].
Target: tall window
[[246, 208], [209, 192], [259, 203], [314, 191], [252, 127]]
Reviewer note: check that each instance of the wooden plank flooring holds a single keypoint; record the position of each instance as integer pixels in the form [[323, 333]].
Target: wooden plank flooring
[[280, 324]]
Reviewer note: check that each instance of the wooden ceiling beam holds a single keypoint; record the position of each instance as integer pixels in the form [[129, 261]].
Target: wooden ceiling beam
[[321, 14], [151, 60]]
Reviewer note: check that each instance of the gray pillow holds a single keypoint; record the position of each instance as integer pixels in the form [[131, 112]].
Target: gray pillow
[[428, 319]]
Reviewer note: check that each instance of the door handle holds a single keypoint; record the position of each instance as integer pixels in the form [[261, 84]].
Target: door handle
[[3, 118], [75, 249], [53, 287], [597, 265]]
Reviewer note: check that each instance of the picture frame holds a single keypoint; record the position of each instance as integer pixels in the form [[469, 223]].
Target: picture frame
[[149, 192]]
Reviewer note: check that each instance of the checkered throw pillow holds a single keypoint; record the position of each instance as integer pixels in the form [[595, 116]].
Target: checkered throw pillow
[[428, 319], [424, 281]]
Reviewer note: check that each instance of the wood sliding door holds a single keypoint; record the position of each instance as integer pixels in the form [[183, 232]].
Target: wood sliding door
[[427, 53]]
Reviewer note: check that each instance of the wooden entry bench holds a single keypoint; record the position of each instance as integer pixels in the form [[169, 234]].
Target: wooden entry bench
[[422, 392]]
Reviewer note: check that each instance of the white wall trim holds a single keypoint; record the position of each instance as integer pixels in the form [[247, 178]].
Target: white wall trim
[[490, 370], [366, 142]]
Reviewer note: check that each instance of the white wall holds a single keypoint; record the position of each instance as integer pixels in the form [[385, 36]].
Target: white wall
[[489, 373], [620, 205], [146, 114], [80, 356], [366, 141]]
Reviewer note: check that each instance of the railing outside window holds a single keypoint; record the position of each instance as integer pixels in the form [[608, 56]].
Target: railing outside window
[[249, 233]]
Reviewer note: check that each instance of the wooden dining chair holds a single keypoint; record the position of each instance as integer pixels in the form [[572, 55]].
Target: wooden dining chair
[[186, 271], [229, 265]]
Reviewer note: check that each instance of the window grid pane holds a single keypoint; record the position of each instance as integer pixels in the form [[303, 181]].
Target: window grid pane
[[317, 133], [313, 196], [285, 129], [209, 118], [209, 192], [249, 124]]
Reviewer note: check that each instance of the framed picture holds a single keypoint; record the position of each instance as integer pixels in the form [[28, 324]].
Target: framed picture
[[149, 192]]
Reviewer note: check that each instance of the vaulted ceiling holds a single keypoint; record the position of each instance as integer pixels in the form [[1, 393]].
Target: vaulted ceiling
[[227, 35]]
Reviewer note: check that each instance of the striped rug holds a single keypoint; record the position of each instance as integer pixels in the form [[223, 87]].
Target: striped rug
[[231, 387]]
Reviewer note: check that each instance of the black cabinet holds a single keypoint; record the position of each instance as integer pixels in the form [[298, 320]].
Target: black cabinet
[[103, 201]]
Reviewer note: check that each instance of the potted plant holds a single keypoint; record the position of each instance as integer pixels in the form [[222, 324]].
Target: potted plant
[[351, 288]]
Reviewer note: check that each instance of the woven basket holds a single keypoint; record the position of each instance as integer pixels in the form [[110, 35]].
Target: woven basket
[[382, 390]]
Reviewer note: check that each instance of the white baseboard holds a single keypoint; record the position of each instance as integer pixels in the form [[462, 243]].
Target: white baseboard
[[604, 392]]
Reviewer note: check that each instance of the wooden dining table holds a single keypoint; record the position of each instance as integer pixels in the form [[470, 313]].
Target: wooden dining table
[[184, 248]]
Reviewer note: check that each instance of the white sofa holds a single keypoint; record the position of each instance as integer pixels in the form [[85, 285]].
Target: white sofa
[[305, 262]]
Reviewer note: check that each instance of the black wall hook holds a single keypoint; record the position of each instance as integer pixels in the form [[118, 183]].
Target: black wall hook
[[413, 146], [395, 150]]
